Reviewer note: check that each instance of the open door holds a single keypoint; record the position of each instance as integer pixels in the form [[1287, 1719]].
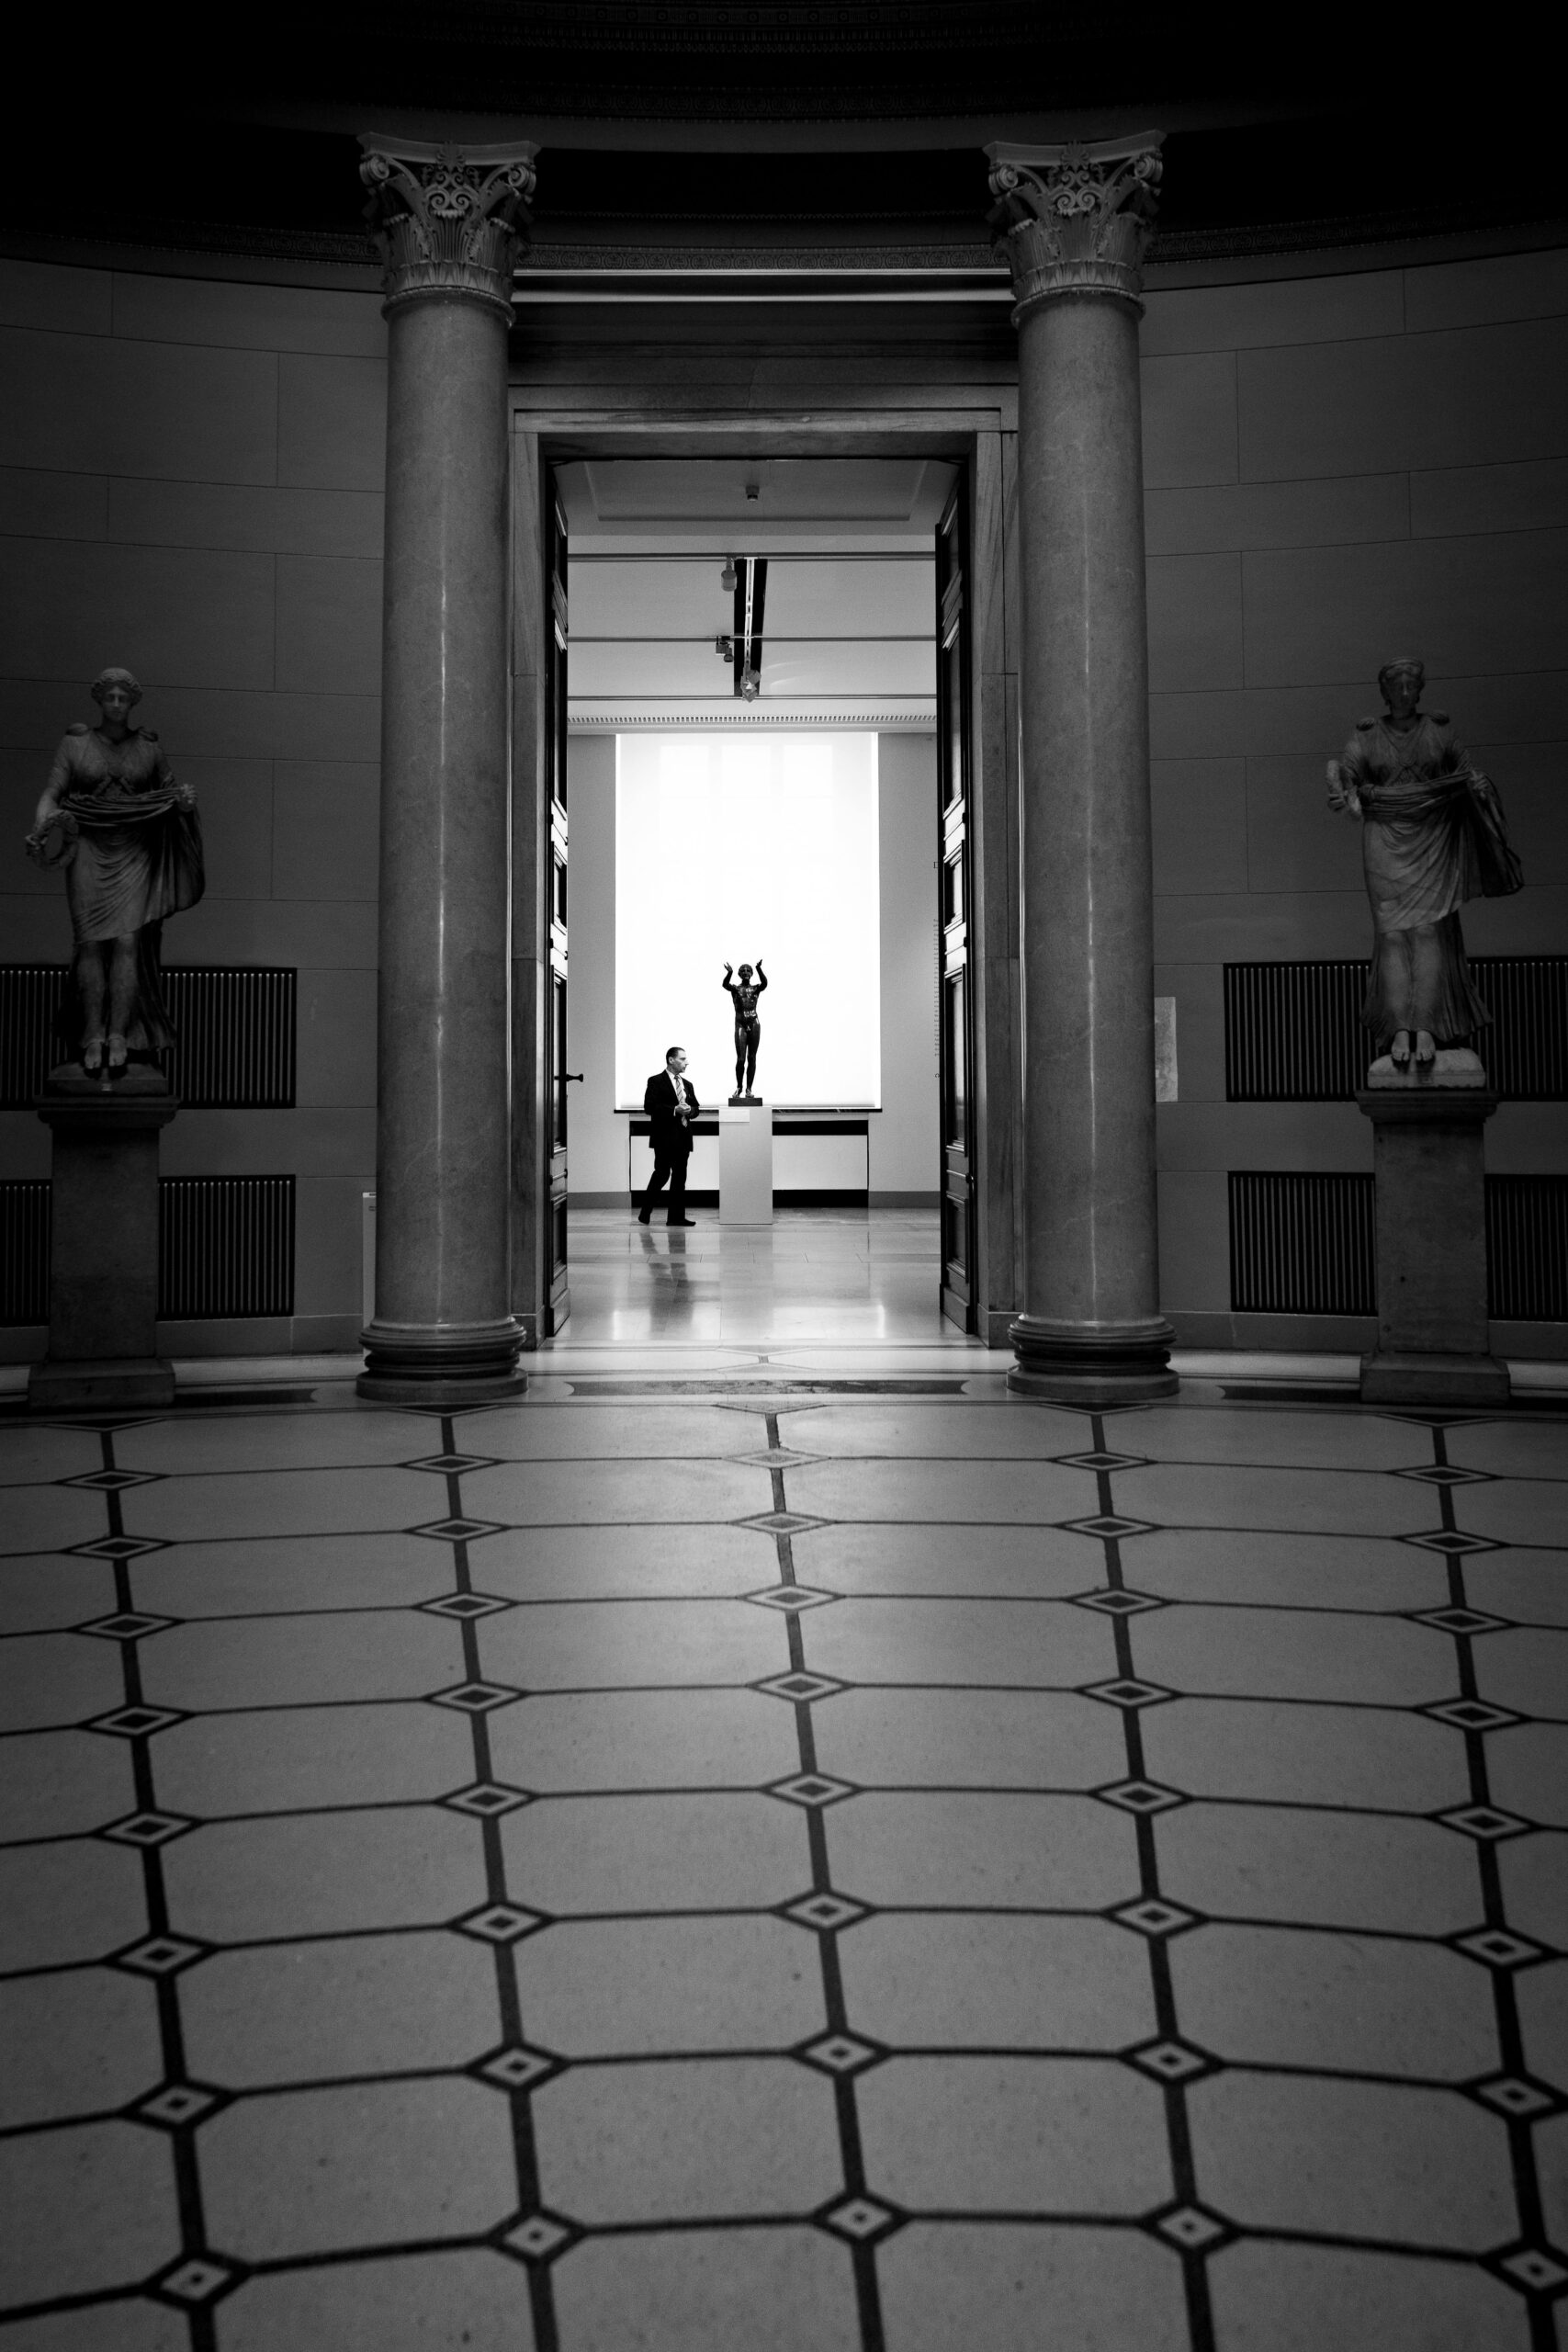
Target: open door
[[557, 1299], [956, 1023]]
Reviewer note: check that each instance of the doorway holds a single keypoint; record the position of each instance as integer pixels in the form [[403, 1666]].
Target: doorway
[[753, 600]]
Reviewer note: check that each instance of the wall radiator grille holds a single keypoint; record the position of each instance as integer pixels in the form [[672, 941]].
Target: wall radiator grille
[[1303, 1244], [236, 1025], [1526, 1248], [225, 1248], [24, 1250], [1306, 1245], [1293, 1031]]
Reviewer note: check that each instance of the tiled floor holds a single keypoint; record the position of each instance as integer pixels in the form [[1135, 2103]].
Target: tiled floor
[[744, 1869]]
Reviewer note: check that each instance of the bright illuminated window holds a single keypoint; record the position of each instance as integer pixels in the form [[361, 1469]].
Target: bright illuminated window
[[728, 847]]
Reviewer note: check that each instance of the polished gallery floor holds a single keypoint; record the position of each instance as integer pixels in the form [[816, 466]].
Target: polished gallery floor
[[819, 1274], [708, 1858]]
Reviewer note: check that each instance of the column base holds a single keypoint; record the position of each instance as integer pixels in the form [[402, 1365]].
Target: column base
[[1093, 1363], [110, 1383], [441, 1363], [1389, 1378]]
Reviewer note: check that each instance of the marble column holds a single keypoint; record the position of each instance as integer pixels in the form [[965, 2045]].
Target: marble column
[[1074, 222], [448, 223]]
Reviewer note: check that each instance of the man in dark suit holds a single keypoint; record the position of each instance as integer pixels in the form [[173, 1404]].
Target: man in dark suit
[[672, 1106]]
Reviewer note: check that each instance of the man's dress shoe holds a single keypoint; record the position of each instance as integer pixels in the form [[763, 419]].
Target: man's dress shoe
[[680, 1220]]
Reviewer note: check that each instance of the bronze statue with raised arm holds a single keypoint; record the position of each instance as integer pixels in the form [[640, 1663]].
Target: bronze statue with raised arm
[[743, 993], [1433, 836], [128, 836]]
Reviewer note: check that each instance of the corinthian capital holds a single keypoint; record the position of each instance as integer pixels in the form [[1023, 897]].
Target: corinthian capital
[[447, 219], [1076, 220]]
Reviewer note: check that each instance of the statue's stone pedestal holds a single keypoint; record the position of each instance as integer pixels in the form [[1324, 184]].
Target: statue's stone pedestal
[[103, 1289], [1429, 1166], [746, 1165]]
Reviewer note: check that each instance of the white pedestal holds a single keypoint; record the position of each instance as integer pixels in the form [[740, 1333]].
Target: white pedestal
[[746, 1164]]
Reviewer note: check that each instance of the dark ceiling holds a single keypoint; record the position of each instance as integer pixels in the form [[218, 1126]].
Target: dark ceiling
[[827, 124]]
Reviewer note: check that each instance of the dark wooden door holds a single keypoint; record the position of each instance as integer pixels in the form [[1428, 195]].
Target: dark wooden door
[[955, 1025], [557, 1303]]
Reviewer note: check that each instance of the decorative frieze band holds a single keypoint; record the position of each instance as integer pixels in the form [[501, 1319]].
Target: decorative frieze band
[[1075, 219], [448, 219]]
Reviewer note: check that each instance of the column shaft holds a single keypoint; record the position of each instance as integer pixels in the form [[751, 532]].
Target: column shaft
[[441, 1262], [1091, 1327], [447, 223], [1092, 1282]]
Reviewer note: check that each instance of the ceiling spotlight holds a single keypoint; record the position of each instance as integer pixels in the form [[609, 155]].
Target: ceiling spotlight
[[753, 489], [727, 578], [751, 685], [724, 647]]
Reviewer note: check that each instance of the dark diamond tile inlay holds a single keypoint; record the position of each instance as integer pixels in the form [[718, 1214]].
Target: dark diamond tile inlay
[[1103, 1460], [452, 1462], [200, 2278], [1109, 1524], [1118, 1604], [841, 2053], [127, 1625], [1471, 1715], [1514, 2095], [810, 1788], [825, 1911], [1153, 1916], [476, 1697], [518, 2068], [460, 1531], [790, 1598], [177, 2104], [1141, 1796], [1191, 2227], [113, 1482], [115, 1547], [1170, 2061], [783, 1522], [159, 1955], [464, 1605], [486, 1799], [799, 1687], [1484, 1822], [1461, 1620], [539, 2238], [1452, 1542], [501, 1923], [149, 1828], [860, 2219], [1128, 1692], [1498, 1948], [136, 1722], [1532, 2267]]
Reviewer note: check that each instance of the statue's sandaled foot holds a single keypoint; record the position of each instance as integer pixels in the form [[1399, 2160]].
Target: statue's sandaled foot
[[117, 1050], [1426, 1049], [1399, 1052], [92, 1052]]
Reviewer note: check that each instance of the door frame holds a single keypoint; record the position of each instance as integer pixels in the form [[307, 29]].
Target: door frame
[[982, 441]]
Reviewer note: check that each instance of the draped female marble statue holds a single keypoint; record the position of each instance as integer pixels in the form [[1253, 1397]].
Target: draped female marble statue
[[129, 840], [1433, 836]]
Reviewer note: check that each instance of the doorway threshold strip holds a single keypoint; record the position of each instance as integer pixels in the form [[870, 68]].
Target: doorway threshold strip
[[718, 1384]]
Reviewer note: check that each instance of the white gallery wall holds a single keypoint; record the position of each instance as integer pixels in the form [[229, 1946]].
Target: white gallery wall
[[903, 1135], [734, 848]]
